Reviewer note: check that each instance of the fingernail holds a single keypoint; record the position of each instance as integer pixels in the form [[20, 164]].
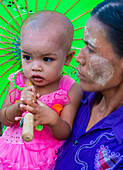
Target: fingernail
[[38, 95], [21, 105], [17, 118]]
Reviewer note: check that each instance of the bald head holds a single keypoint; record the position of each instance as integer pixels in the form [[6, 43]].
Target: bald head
[[54, 22]]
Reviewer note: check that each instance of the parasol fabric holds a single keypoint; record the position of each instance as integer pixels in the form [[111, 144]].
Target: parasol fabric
[[14, 12]]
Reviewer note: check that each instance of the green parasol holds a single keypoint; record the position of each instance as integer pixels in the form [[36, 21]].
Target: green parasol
[[12, 14]]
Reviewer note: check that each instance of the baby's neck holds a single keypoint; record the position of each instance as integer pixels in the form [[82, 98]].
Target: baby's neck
[[47, 89]]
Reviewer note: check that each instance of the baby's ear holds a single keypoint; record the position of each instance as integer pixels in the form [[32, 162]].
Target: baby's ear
[[69, 57]]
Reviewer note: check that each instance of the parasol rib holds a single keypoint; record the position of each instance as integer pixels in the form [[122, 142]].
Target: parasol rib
[[7, 31], [19, 67], [9, 24], [27, 7], [6, 48], [45, 4], [81, 15], [75, 39], [5, 54], [72, 6], [76, 48], [7, 61], [57, 5], [10, 14], [10, 55], [65, 73], [10, 68], [5, 43], [79, 28], [72, 66], [5, 88], [36, 5], [6, 37], [18, 10]]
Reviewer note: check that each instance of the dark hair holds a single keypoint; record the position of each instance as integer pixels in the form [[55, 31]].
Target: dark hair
[[110, 12]]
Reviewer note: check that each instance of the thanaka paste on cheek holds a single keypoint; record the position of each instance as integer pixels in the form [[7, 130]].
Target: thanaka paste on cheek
[[101, 71]]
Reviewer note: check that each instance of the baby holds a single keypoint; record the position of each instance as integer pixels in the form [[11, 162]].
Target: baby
[[46, 39]]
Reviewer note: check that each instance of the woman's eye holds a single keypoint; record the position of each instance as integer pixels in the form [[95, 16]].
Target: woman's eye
[[90, 50], [47, 59], [27, 57]]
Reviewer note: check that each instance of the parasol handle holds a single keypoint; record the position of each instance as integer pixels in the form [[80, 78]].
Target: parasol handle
[[28, 126]]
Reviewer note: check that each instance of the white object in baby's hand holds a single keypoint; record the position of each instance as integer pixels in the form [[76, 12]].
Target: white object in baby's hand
[[28, 126]]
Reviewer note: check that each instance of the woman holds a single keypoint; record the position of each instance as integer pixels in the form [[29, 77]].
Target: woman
[[97, 138]]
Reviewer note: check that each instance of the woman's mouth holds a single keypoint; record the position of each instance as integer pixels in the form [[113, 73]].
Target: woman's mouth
[[79, 75]]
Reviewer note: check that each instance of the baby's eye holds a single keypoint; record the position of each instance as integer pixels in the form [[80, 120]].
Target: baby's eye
[[27, 57], [47, 59]]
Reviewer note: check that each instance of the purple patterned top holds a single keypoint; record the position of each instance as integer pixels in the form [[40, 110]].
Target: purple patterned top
[[99, 148]]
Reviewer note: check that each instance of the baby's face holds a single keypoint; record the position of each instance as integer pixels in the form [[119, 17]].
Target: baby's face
[[42, 56]]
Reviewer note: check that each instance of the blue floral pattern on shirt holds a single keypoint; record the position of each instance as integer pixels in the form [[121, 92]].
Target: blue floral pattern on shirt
[[104, 158]]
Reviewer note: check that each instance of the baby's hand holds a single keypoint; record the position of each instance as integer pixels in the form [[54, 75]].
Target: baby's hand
[[28, 96], [43, 115]]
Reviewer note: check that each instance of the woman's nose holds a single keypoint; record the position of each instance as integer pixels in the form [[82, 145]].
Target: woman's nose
[[80, 58]]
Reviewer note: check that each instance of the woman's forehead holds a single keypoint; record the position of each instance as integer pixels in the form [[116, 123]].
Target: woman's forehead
[[95, 32]]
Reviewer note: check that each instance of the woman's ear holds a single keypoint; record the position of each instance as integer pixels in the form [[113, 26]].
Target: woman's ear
[[121, 64], [69, 57]]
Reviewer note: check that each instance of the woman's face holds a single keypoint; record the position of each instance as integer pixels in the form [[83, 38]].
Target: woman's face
[[99, 68]]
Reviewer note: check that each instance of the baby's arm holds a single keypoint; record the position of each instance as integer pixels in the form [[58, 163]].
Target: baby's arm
[[9, 111], [62, 127]]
